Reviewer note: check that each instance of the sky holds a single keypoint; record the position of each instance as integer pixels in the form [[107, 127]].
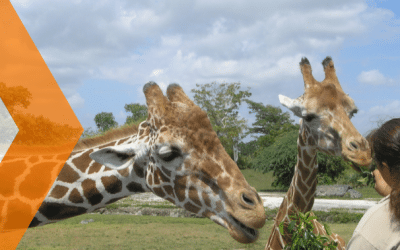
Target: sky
[[101, 53]]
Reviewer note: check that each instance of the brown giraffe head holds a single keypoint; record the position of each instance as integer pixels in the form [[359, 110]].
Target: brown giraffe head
[[180, 158], [326, 112]]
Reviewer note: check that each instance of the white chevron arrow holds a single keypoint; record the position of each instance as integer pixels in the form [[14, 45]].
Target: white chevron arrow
[[8, 130]]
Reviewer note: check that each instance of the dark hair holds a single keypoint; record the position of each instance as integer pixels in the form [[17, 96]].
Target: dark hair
[[385, 145]]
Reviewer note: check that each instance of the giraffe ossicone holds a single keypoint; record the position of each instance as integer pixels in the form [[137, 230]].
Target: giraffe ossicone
[[325, 112], [175, 154]]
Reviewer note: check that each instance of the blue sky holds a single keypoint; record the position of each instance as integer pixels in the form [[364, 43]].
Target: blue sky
[[101, 53]]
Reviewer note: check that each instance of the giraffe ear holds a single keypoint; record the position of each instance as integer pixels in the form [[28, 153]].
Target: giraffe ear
[[116, 157], [293, 104]]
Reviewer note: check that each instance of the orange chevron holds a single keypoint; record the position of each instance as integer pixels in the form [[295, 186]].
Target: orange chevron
[[25, 183]]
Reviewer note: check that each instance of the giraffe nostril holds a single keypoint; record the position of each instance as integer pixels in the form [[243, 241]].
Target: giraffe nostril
[[247, 200], [354, 145]]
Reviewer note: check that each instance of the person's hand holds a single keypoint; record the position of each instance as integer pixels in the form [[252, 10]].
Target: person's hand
[[380, 185]]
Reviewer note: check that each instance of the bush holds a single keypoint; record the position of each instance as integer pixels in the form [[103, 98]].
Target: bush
[[302, 234], [281, 158]]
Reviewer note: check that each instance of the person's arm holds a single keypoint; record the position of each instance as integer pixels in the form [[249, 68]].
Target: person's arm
[[380, 185]]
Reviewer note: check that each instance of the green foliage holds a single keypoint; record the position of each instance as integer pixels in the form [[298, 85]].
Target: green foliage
[[139, 113], [14, 96], [281, 158], [301, 229], [362, 179], [89, 133], [104, 121], [221, 102], [338, 216], [40, 130], [247, 149], [270, 122]]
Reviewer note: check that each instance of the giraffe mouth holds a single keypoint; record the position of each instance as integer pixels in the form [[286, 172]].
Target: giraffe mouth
[[243, 233]]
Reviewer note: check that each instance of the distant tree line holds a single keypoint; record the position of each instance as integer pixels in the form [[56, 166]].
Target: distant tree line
[[274, 135]]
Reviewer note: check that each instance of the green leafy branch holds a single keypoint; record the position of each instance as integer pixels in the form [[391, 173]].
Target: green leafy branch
[[301, 229]]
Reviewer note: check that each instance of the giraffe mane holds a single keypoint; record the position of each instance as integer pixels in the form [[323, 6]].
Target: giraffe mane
[[113, 134]]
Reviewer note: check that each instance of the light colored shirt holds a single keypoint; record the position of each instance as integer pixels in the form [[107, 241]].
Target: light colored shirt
[[377, 229]]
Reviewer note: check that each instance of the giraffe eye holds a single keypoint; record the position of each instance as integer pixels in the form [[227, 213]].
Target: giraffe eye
[[310, 117], [169, 154], [352, 113]]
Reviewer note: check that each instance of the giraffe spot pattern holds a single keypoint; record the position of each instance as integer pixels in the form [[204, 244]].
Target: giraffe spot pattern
[[107, 145], [159, 192], [224, 182], [124, 172], [34, 223], [206, 199], [122, 141], [91, 192], [135, 187], [192, 208], [75, 196], [114, 200], [166, 171], [62, 157], [56, 211], [7, 187], [180, 181], [67, 174], [218, 206], [194, 196], [33, 159], [112, 184], [82, 162], [37, 180], [138, 170], [95, 168], [108, 169], [169, 190], [58, 192], [19, 219]]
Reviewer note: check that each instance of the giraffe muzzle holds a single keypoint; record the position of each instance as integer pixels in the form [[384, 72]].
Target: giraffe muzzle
[[358, 152], [241, 232], [246, 215]]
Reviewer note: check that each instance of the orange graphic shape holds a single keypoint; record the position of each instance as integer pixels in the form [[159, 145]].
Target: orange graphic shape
[[48, 128]]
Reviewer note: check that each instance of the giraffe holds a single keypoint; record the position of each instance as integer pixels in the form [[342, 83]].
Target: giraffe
[[175, 154], [325, 112]]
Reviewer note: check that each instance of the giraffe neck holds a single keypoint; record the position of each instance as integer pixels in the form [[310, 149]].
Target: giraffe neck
[[84, 186], [302, 189], [301, 193]]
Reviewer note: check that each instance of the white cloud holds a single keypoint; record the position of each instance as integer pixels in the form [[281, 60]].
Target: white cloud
[[392, 109], [123, 40], [258, 43], [374, 77], [76, 101]]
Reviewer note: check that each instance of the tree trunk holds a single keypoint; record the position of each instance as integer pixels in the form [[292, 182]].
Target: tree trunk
[[235, 152]]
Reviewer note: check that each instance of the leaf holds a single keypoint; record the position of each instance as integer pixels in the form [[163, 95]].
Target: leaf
[[312, 218], [327, 229], [281, 228], [292, 226]]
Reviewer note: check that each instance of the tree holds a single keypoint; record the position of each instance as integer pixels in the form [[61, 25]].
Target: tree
[[88, 133], [270, 123], [139, 113], [40, 130], [104, 121], [281, 157], [221, 102], [14, 96]]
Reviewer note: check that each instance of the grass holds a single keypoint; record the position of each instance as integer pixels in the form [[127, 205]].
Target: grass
[[144, 232], [262, 183]]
